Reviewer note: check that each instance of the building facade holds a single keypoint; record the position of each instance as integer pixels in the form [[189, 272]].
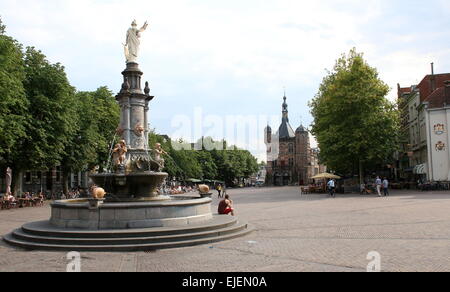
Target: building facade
[[419, 106], [289, 153], [437, 116], [50, 182]]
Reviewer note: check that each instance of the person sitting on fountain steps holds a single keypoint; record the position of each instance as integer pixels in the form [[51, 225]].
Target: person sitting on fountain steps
[[226, 206]]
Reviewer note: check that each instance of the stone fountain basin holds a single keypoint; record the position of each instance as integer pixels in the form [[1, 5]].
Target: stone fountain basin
[[176, 212], [131, 186]]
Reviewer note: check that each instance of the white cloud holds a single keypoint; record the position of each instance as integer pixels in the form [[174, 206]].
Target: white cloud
[[196, 50]]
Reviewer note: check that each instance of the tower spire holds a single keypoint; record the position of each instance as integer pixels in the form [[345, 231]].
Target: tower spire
[[285, 108]]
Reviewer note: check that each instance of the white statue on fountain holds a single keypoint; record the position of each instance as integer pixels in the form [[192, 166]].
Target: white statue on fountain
[[132, 43]]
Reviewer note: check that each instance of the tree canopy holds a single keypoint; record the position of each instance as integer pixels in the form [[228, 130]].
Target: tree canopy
[[51, 120], [13, 102], [96, 116], [355, 125], [222, 165], [44, 121]]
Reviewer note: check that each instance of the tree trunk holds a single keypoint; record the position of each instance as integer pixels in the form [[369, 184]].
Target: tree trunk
[[17, 182], [361, 173], [65, 178]]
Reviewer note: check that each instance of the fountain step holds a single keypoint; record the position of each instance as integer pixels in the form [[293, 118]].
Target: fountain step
[[221, 228], [19, 234], [119, 247], [45, 229]]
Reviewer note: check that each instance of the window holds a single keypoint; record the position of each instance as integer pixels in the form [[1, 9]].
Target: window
[[291, 148], [291, 162]]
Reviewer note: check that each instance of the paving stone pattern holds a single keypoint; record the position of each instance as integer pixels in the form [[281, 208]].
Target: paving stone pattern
[[293, 233]]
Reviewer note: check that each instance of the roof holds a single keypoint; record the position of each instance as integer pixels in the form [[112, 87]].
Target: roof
[[404, 90], [437, 98], [285, 130], [425, 85], [301, 129]]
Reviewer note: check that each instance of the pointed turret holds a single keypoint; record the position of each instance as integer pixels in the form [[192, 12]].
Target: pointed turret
[[285, 130]]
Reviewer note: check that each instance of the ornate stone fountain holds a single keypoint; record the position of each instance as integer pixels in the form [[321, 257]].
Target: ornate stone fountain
[[136, 175], [133, 215]]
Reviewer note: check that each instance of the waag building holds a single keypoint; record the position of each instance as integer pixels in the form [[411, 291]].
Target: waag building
[[290, 159]]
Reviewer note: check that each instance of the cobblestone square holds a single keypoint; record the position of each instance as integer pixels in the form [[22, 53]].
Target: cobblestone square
[[293, 233]]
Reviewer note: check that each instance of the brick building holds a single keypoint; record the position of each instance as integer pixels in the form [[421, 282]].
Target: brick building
[[289, 154], [418, 105]]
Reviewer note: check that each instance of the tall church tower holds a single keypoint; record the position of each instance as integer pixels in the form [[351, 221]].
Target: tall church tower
[[288, 153]]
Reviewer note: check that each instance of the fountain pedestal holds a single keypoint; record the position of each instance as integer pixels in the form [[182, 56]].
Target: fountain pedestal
[[79, 214]]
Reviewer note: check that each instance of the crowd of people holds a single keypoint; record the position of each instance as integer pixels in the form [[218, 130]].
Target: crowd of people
[[33, 199], [28, 199], [178, 189], [71, 195], [380, 186]]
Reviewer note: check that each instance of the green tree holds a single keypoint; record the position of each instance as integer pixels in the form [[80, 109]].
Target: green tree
[[13, 102], [95, 116], [2, 27], [207, 164], [106, 119], [234, 164], [225, 165], [50, 121], [355, 125]]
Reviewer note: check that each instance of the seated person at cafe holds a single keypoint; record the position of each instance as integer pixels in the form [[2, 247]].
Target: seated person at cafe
[[10, 198], [226, 206]]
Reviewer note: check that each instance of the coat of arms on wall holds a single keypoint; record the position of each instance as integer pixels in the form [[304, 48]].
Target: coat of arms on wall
[[440, 146], [439, 129]]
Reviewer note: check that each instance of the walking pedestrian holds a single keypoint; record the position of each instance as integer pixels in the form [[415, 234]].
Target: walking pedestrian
[[363, 189], [378, 183], [331, 187], [386, 187]]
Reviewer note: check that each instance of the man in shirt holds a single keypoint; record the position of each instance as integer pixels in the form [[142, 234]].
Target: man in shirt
[[386, 187], [331, 187], [378, 183]]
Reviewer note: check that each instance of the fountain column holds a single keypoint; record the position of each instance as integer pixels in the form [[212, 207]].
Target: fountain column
[[136, 175]]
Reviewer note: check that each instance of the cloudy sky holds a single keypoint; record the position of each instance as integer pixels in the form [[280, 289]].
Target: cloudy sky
[[234, 57]]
